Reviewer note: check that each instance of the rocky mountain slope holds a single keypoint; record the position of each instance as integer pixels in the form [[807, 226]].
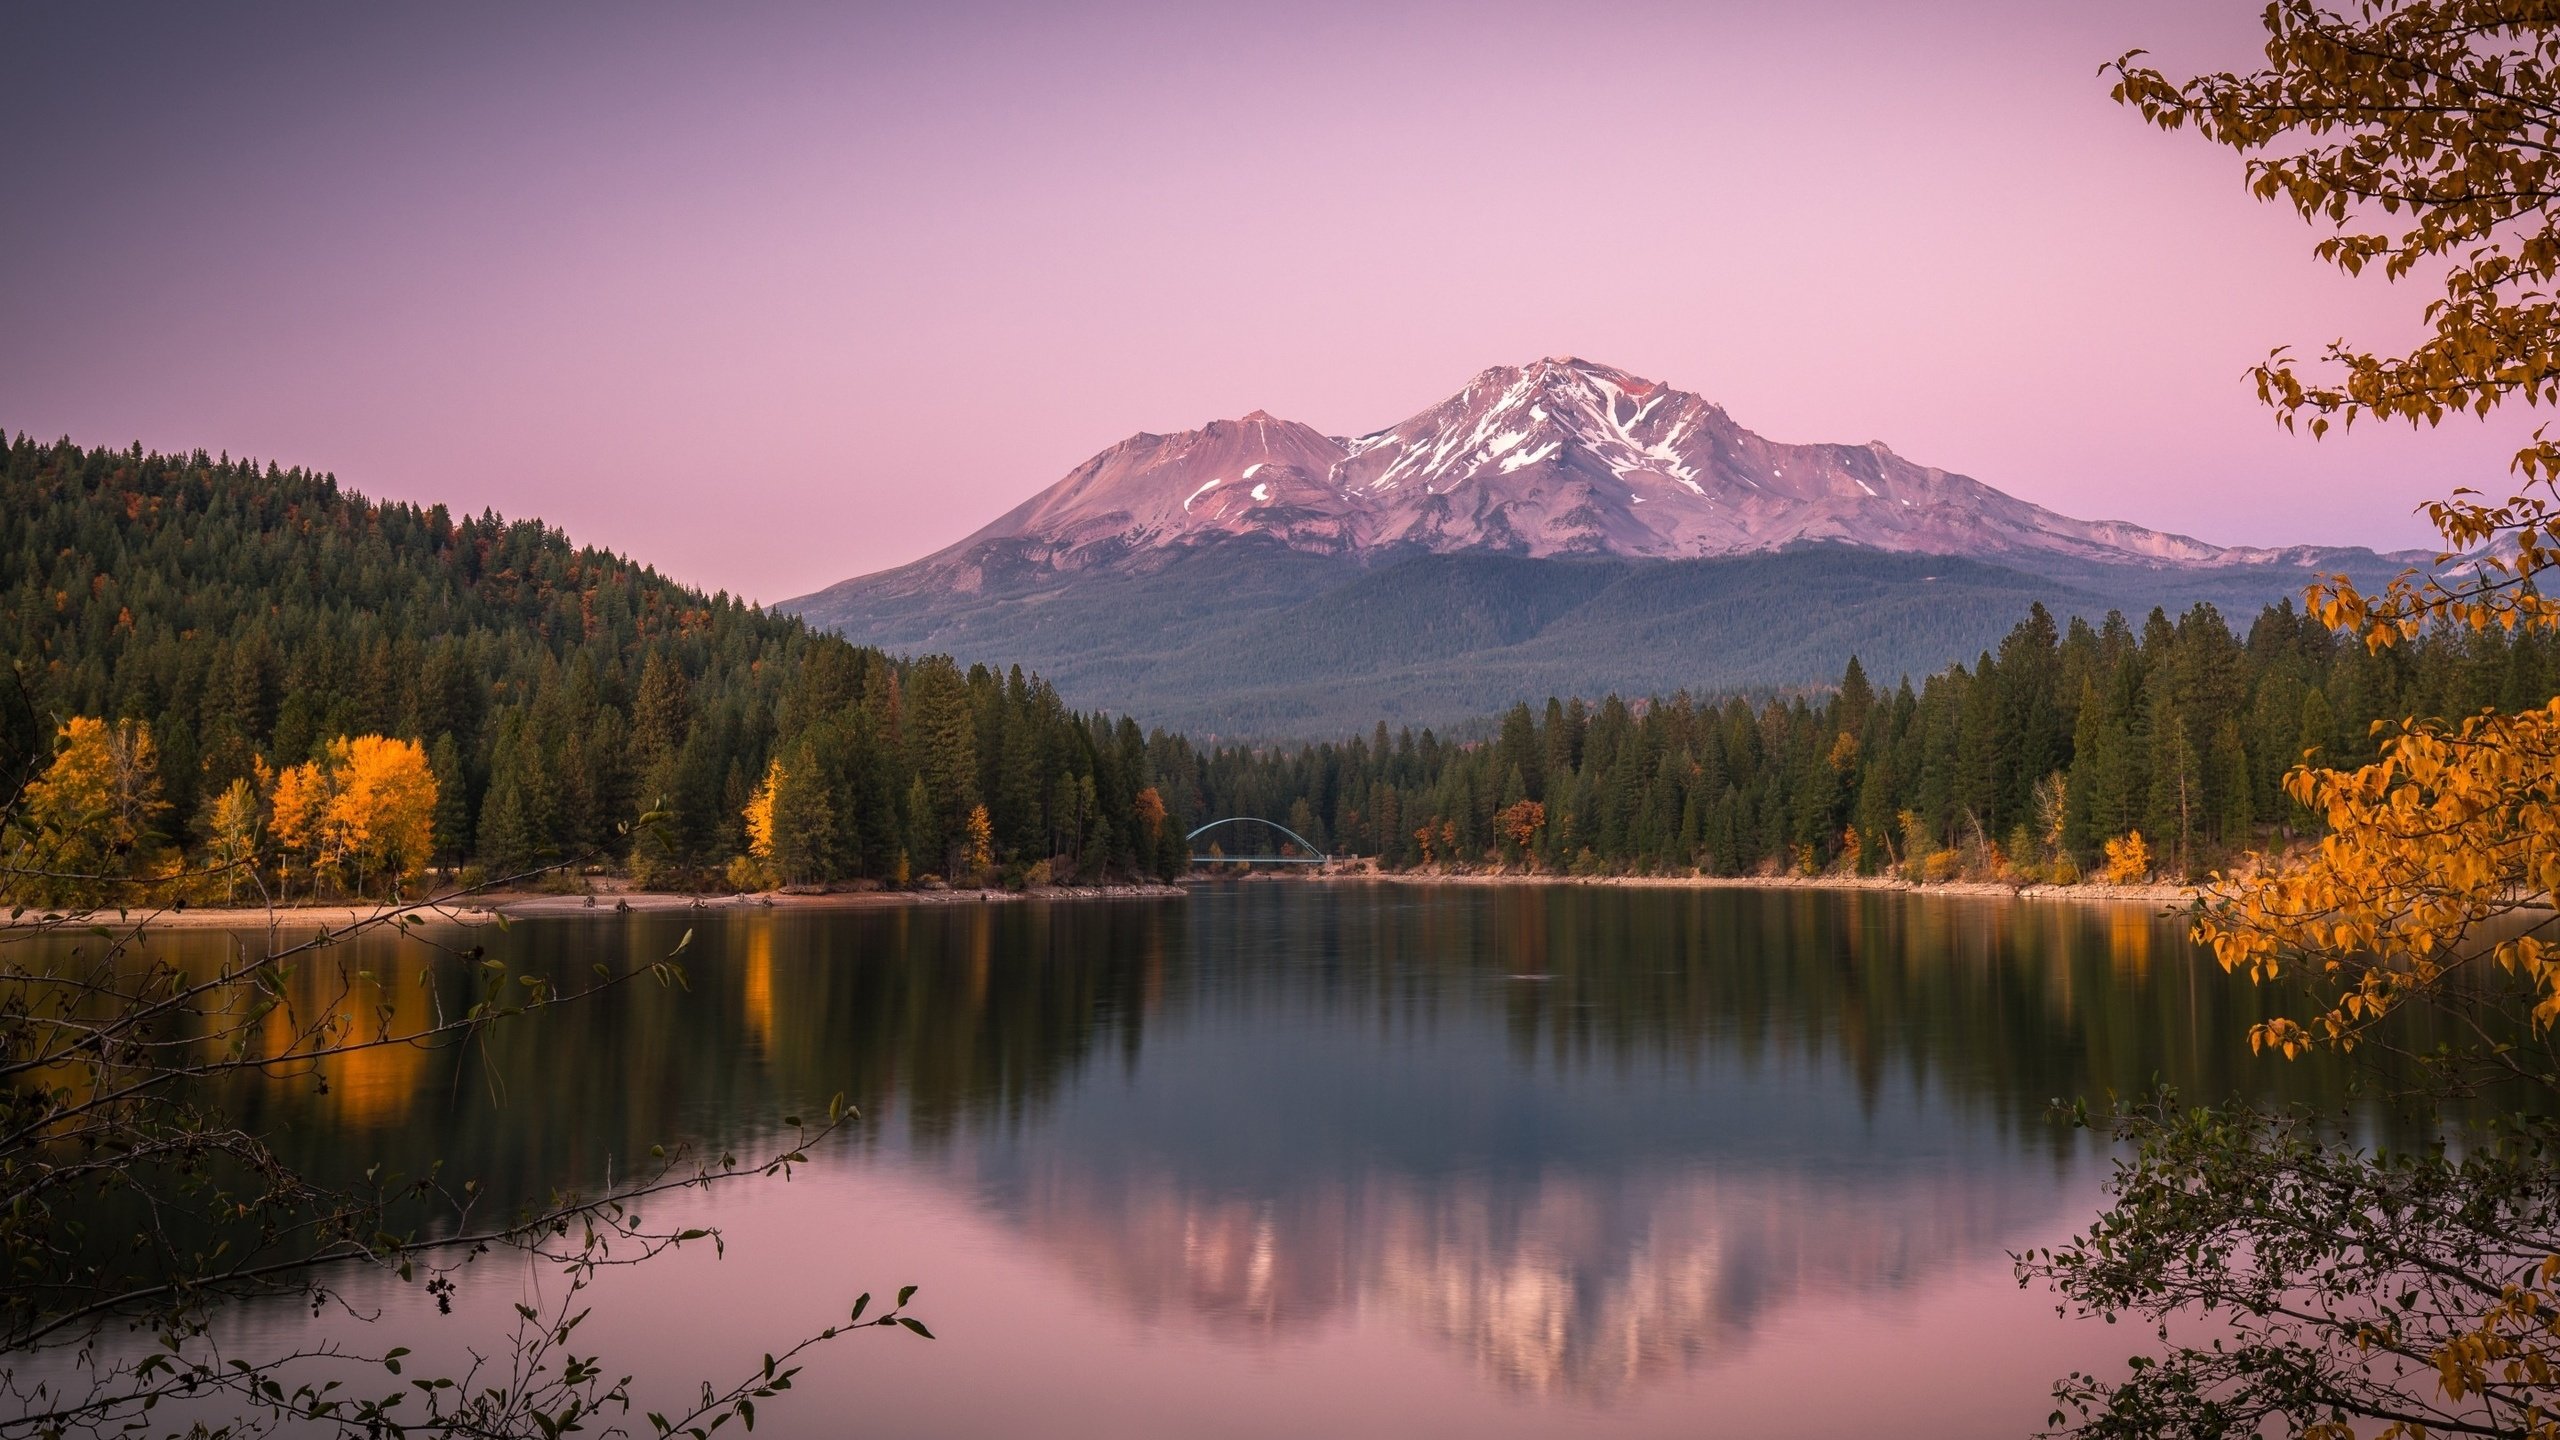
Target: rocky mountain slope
[[1561, 457], [1563, 481]]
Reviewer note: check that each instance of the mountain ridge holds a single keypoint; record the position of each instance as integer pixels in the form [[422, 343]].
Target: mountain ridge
[[1560, 457], [1559, 527]]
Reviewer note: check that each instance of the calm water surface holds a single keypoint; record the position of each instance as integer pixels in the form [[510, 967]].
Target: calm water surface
[[1288, 1160]]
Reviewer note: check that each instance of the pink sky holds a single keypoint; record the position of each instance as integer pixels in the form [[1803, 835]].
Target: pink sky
[[774, 298]]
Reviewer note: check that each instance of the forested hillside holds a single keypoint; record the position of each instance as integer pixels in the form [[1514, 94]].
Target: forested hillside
[[249, 633], [2022, 765], [245, 618], [1244, 639]]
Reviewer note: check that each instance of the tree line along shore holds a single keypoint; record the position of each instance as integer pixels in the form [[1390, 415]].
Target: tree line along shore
[[237, 682]]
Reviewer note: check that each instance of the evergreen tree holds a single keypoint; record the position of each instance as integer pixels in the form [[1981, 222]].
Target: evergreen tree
[[804, 822], [453, 800]]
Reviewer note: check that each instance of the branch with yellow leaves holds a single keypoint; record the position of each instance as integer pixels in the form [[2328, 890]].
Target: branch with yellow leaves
[[2440, 858]]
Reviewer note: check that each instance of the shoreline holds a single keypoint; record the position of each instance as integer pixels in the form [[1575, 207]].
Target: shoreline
[[485, 909], [2085, 894]]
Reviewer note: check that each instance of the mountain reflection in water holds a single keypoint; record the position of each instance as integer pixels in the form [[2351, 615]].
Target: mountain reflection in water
[[1583, 1144]]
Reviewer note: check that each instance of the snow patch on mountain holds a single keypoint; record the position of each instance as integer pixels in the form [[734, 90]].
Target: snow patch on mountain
[[1561, 456]]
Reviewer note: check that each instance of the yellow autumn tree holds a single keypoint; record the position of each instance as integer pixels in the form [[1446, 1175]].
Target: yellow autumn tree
[[364, 811], [297, 811], [233, 827], [1844, 753], [384, 811], [790, 827], [981, 834], [90, 821], [759, 812], [2128, 859]]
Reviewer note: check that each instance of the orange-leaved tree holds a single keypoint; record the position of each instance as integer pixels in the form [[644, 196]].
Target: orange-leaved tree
[[2358, 1292], [91, 820], [364, 811], [759, 812], [1519, 823]]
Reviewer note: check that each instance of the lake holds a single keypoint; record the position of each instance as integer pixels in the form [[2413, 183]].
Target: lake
[[1287, 1159]]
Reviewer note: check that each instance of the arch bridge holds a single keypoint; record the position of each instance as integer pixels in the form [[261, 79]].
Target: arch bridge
[[1311, 855]]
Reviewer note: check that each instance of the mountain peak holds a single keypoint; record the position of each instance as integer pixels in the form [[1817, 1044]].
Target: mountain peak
[[1560, 456], [1575, 362]]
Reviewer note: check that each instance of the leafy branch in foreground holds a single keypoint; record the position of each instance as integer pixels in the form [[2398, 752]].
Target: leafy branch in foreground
[[2303, 1285], [2298, 1280], [2425, 134], [134, 1216]]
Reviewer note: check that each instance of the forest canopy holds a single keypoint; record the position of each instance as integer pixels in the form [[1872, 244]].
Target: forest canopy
[[205, 637], [248, 670], [2023, 765]]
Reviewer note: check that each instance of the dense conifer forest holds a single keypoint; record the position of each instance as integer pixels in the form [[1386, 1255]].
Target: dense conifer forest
[[243, 630], [2022, 765], [245, 618]]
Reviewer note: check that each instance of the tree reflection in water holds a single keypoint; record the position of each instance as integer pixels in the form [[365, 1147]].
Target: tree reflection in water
[[1584, 1137]]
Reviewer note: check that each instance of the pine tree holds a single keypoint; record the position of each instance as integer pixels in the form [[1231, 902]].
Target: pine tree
[[508, 842], [947, 758], [1856, 700], [662, 713], [2234, 797], [804, 823], [926, 830], [453, 829]]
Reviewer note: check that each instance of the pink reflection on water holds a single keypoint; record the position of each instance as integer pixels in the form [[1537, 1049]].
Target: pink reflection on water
[[1415, 1323], [1562, 1286]]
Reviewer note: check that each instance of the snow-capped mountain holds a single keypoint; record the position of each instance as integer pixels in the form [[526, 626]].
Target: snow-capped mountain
[[1567, 457], [1558, 457], [1555, 528], [1259, 474]]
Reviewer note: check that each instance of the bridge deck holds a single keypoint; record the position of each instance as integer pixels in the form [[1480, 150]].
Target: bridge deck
[[1313, 856]]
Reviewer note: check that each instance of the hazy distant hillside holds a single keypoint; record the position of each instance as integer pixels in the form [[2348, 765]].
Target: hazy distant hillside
[[1246, 637]]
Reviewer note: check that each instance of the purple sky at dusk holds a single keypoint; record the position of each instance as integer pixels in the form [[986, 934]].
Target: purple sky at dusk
[[770, 296]]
